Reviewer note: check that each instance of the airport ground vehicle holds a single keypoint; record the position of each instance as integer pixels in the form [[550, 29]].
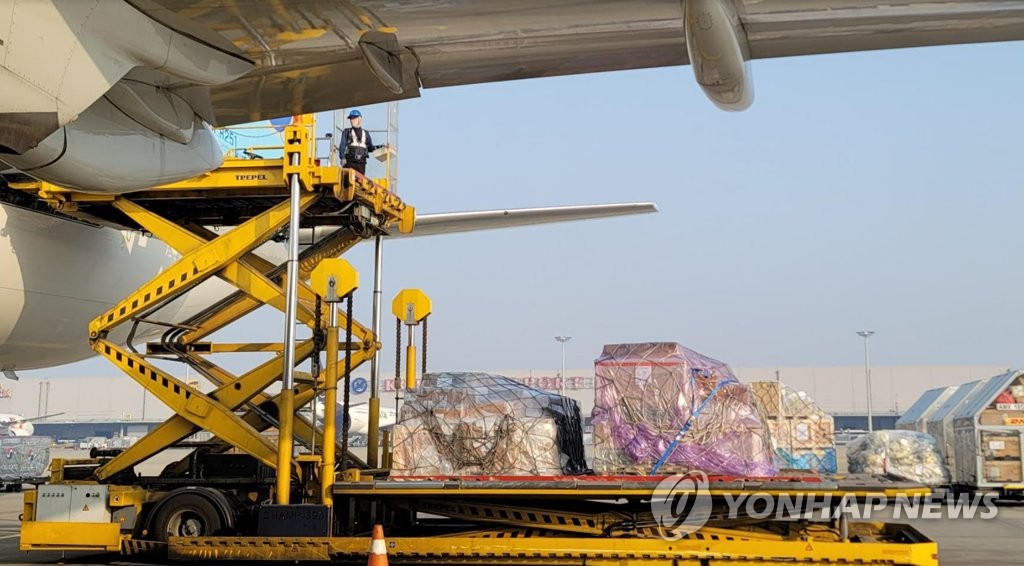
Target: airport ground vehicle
[[244, 497]]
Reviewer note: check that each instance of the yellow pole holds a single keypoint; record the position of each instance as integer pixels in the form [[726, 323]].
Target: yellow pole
[[374, 432], [284, 446], [332, 279], [295, 151], [330, 408]]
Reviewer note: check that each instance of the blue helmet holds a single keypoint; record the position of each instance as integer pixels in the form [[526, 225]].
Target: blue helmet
[[355, 114]]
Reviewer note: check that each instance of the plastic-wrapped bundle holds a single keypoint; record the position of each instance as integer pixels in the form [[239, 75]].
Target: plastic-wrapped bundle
[[802, 435], [468, 424], [901, 454], [24, 457], [650, 394]]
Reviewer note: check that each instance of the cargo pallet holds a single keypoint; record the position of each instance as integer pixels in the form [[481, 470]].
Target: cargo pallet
[[243, 497], [978, 428]]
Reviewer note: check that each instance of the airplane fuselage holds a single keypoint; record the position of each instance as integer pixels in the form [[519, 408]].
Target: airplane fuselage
[[15, 425], [56, 275]]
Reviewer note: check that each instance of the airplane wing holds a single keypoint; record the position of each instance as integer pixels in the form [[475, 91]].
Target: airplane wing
[[436, 223], [314, 55], [455, 222], [33, 419], [157, 71]]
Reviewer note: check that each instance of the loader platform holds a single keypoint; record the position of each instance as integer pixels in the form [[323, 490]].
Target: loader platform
[[244, 496]]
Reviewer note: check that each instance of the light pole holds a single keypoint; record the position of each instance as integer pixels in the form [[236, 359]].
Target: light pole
[[561, 381], [865, 334]]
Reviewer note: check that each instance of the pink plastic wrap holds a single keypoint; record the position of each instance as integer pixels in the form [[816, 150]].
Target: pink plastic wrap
[[648, 393]]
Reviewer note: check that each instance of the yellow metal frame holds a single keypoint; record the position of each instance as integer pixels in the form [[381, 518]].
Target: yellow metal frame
[[37, 535], [548, 550], [205, 254], [586, 489]]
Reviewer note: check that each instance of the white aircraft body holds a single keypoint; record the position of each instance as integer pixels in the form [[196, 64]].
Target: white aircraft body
[[112, 96], [359, 417], [16, 425]]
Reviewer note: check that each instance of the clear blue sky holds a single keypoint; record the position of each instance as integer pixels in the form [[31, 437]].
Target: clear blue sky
[[875, 190]]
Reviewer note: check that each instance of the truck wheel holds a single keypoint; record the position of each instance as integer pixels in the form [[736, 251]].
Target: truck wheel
[[186, 515]]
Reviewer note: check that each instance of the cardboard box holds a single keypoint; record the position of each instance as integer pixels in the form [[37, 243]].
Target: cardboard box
[[1001, 418], [1002, 471], [775, 399], [1000, 445], [768, 395], [801, 433]]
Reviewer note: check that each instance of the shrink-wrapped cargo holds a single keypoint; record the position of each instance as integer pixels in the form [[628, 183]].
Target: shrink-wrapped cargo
[[803, 436], [470, 424], [660, 407], [24, 457], [899, 454]]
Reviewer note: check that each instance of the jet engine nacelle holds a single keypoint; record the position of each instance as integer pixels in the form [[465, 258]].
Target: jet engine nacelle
[[135, 137], [719, 53]]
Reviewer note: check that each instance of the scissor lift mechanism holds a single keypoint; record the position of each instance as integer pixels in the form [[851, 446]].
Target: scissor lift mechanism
[[522, 521]]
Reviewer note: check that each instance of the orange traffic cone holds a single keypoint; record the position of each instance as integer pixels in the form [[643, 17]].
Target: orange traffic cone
[[378, 550]]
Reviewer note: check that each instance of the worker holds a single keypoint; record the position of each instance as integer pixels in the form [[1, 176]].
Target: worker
[[356, 144]]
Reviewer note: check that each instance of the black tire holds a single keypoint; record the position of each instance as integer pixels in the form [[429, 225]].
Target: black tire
[[186, 515]]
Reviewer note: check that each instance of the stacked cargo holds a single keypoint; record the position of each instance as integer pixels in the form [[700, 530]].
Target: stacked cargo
[[660, 407], [471, 424], [802, 435], [987, 432], [1000, 453], [24, 458]]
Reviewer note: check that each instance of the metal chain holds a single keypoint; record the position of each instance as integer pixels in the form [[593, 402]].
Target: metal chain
[[423, 367], [319, 341], [347, 421], [398, 355]]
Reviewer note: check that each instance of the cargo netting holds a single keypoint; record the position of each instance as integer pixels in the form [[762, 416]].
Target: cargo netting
[[470, 424], [802, 435], [661, 408], [24, 457], [899, 454]]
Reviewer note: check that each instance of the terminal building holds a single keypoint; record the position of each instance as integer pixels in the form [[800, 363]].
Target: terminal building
[[110, 407]]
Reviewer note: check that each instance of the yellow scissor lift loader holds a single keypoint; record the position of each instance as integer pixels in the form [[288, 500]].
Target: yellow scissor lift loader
[[241, 496]]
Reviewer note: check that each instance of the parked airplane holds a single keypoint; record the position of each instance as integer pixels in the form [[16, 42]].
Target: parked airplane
[[112, 96], [17, 425], [359, 417]]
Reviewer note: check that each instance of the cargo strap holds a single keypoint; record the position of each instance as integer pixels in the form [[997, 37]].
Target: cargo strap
[[686, 428]]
